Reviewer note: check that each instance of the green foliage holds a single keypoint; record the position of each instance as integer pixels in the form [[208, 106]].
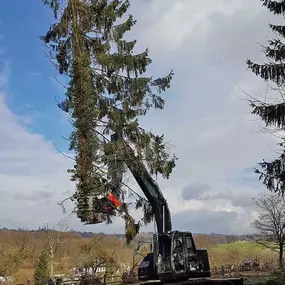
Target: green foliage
[[147, 210], [108, 91], [272, 175], [277, 278], [277, 7], [237, 252], [9, 260], [273, 114], [274, 69], [42, 270], [242, 246]]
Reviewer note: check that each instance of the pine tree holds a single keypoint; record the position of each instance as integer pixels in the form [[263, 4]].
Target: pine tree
[[108, 91], [273, 114], [41, 275]]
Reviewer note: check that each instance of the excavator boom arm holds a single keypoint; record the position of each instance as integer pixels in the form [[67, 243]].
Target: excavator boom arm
[[150, 189]]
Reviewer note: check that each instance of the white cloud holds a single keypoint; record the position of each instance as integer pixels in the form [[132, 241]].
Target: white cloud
[[207, 43], [211, 127], [33, 177]]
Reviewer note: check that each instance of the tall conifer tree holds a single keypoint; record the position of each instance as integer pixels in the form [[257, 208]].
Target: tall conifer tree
[[108, 91], [273, 114]]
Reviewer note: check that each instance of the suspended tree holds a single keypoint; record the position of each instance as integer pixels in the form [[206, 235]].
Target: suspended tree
[[272, 113], [107, 92]]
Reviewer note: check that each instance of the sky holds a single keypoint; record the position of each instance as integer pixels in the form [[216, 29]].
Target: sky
[[206, 119]]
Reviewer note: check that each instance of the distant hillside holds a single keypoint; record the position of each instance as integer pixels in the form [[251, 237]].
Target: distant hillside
[[20, 250], [222, 239], [146, 236]]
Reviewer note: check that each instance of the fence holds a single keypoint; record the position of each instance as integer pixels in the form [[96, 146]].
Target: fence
[[130, 277], [126, 277], [235, 269], [227, 270], [95, 280]]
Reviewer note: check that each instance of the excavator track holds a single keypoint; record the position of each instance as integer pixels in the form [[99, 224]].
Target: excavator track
[[200, 281]]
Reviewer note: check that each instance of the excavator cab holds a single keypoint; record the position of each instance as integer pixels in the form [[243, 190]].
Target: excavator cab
[[174, 257]]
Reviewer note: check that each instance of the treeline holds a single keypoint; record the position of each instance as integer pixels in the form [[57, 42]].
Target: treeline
[[218, 238], [20, 251]]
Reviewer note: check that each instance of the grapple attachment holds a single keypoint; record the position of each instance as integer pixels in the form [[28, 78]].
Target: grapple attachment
[[93, 210], [96, 218]]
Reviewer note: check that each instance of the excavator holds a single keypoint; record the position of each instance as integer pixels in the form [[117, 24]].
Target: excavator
[[174, 257]]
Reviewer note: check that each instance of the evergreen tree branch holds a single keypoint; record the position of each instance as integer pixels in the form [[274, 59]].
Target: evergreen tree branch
[[107, 92]]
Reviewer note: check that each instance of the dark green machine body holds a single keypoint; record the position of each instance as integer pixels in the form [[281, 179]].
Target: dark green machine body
[[174, 256], [166, 264]]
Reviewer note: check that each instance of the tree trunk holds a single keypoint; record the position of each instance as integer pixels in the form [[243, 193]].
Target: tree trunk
[[281, 256], [51, 266]]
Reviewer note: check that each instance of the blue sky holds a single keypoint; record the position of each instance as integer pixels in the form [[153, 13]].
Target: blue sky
[[211, 130], [32, 89]]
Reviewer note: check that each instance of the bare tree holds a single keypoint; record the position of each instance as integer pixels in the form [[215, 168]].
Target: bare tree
[[9, 261], [54, 240], [23, 244], [271, 223], [98, 253]]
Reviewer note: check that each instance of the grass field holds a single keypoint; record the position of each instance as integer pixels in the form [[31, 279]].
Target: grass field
[[243, 247], [237, 252]]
